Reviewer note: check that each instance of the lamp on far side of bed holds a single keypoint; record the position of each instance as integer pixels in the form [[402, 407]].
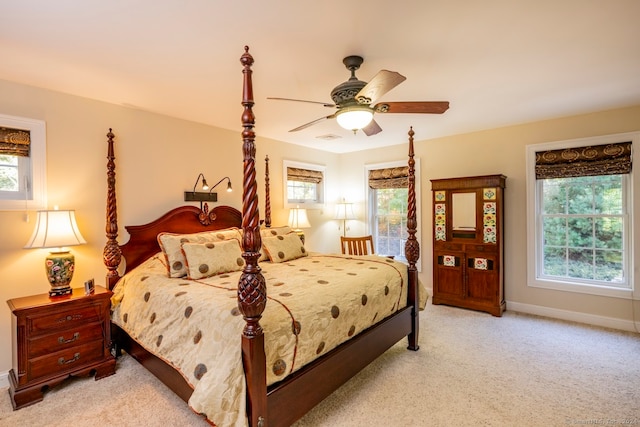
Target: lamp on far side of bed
[[344, 212], [298, 220], [56, 230]]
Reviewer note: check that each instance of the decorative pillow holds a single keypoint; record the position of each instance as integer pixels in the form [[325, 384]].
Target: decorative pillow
[[171, 245], [209, 259], [269, 232], [284, 248]]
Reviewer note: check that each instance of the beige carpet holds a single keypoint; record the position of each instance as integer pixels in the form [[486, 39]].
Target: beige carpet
[[473, 369]]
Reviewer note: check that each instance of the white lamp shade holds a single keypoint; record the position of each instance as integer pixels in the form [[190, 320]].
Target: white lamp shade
[[354, 118], [298, 219], [344, 211], [55, 229]]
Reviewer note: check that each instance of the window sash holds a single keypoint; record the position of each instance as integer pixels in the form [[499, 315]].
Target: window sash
[[623, 283], [389, 228]]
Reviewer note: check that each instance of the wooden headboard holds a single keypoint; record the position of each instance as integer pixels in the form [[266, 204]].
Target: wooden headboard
[[143, 241]]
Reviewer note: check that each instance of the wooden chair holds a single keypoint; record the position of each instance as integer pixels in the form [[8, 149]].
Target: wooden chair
[[357, 245]]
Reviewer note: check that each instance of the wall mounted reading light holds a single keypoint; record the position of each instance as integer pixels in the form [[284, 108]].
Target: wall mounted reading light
[[210, 196], [229, 188]]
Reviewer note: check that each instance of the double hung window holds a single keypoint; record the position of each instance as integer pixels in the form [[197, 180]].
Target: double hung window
[[580, 226], [388, 189]]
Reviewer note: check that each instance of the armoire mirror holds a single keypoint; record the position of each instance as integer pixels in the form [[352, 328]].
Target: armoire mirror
[[463, 206]]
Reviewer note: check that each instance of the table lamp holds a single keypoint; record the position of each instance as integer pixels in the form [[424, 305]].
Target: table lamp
[[298, 220], [57, 229]]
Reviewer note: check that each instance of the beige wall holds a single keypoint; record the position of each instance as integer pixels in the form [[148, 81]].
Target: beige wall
[[158, 158], [502, 151]]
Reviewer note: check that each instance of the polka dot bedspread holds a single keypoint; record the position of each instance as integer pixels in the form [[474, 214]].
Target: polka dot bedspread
[[314, 304]]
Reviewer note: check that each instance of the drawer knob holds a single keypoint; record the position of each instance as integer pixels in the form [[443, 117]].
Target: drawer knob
[[61, 340], [70, 317], [61, 361]]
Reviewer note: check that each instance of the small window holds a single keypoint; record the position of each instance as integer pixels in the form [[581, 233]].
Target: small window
[[304, 185], [22, 164]]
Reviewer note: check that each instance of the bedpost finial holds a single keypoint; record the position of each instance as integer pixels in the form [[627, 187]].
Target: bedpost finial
[[246, 59], [411, 132]]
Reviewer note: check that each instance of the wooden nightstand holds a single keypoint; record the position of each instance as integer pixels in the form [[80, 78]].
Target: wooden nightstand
[[55, 338]]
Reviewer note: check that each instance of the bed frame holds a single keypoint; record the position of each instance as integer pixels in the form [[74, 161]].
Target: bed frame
[[283, 403]]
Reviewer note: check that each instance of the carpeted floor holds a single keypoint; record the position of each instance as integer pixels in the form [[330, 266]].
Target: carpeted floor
[[473, 369]]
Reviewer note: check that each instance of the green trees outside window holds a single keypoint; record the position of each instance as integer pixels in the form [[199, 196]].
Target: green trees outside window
[[583, 221], [9, 173], [390, 221]]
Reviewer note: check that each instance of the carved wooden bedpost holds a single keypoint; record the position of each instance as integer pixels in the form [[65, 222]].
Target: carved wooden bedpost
[[412, 248], [267, 194], [252, 289], [111, 254]]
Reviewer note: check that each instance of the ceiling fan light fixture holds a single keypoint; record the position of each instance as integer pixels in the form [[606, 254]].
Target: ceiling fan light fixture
[[354, 118]]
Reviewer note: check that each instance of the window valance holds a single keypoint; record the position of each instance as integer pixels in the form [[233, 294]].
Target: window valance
[[397, 177], [304, 175], [14, 142], [608, 159]]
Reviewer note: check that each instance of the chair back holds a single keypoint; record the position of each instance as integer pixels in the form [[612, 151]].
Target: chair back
[[357, 245]]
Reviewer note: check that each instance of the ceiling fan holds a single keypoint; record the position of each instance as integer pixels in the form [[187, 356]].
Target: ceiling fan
[[354, 100]]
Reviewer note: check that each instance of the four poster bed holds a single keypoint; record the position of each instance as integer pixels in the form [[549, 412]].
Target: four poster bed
[[306, 322]]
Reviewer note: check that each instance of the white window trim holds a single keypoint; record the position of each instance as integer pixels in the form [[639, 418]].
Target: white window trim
[[309, 166], [368, 201], [38, 156], [532, 208]]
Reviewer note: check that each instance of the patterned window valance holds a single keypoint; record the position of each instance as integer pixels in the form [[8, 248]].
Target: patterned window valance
[[397, 177], [304, 175], [609, 159], [14, 142]]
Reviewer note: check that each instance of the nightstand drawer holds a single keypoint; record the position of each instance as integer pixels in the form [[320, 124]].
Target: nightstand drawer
[[66, 360], [62, 340], [66, 320]]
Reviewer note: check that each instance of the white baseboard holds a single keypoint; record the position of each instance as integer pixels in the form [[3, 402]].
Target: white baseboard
[[4, 379], [574, 316]]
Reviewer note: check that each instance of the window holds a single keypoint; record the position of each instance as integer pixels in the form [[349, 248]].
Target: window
[[390, 221], [583, 223], [387, 193], [579, 229], [22, 164], [304, 185]]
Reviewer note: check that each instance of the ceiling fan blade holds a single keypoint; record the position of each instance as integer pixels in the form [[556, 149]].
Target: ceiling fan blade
[[324, 104], [380, 84], [427, 107], [372, 128], [306, 125]]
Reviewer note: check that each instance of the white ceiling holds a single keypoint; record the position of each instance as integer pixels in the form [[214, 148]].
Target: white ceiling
[[498, 62]]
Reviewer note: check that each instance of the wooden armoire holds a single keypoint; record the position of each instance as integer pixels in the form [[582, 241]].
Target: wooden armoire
[[468, 244]]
